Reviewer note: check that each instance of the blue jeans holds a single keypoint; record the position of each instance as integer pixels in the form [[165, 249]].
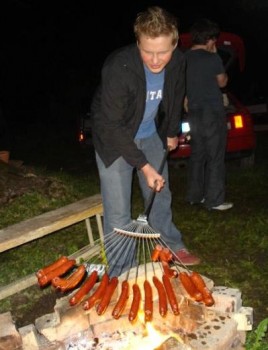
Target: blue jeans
[[116, 189]]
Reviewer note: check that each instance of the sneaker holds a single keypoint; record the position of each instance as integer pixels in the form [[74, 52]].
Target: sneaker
[[183, 256], [223, 206]]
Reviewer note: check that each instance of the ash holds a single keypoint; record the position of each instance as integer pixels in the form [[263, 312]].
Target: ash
[[106, 341]]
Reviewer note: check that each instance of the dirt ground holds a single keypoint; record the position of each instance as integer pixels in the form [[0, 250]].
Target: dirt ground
[[16, 180]]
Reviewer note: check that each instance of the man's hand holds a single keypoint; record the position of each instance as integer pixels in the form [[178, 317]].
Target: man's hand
[[172, 143], [154, 180]]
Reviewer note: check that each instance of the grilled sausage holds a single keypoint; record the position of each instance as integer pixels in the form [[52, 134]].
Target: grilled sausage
[[170, 295], [201, 286], [121, 303], [198, 280], [162, 296], [84, 289], [97, 295], [54, 265], [135, 305], [165, 255], [103, 304], [171, 273], [189, 286], [208, 298], [65, 284], [59, 271], [148, 301], [156, 252]]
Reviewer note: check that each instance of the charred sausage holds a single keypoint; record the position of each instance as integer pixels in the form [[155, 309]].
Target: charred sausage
[[135, 305], [97, 295], [171, 295], [84, 289], [121, 303], [103, 304]]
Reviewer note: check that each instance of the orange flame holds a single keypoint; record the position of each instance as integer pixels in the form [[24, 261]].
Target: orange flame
[[152, 338]]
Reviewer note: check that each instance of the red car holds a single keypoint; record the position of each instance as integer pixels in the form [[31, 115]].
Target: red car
[[241, 141]]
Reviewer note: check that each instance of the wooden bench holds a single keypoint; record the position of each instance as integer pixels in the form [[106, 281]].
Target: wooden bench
[[47, 223]]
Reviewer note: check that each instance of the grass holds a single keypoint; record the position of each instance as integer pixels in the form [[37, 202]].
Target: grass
[[233, 245]]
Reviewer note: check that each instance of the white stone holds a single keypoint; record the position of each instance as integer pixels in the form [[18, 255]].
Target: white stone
[[244, 318], [29, 337], [226, 299]]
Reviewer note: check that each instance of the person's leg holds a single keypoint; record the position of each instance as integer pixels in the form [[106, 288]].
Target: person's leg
[[116, 186], [216, 144], [160, 216], [197, 161]]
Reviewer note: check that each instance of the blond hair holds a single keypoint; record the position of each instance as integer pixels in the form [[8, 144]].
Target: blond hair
[[155, 22]]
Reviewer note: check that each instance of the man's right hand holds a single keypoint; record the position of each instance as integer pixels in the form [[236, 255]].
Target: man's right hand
[[154, 180]]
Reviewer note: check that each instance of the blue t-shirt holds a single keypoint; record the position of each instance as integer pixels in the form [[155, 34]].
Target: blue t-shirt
[[154, 93]]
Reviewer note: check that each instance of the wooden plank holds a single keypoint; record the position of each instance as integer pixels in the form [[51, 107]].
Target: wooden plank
[[44, 224], [30, 280]]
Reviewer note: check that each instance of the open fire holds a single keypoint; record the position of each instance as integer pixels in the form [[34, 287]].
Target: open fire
[[147, 339]]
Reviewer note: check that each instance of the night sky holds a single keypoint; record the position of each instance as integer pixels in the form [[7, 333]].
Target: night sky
[[51, 52]]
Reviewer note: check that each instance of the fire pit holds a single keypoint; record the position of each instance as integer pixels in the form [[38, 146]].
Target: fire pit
[[219, 327]]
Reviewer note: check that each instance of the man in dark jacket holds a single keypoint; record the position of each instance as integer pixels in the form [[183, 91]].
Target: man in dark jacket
[[135, 115]]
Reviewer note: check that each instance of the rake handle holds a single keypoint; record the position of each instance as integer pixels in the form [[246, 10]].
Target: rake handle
[[151, 197]]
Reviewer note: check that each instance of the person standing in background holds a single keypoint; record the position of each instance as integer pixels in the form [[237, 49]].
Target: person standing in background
[[205, 76]]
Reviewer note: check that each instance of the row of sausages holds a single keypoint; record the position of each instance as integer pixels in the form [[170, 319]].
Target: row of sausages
[[192, 281], [101, 297]]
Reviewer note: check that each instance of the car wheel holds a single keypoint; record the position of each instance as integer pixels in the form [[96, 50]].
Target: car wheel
[[247, 162]]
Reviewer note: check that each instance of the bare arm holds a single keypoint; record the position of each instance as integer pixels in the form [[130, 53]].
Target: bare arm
[[222, 80]]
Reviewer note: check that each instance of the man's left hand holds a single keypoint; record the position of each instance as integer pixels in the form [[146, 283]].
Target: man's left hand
[[172, 143]]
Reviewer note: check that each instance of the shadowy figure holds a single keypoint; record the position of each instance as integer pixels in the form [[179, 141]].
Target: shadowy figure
[[205, 76]]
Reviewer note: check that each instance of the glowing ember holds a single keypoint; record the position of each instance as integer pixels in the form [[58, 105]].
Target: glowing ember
[[148, 339], [152, 338], [121, 341]]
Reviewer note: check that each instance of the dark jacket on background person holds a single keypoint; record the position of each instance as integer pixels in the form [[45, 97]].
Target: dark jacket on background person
[[116, 121]]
